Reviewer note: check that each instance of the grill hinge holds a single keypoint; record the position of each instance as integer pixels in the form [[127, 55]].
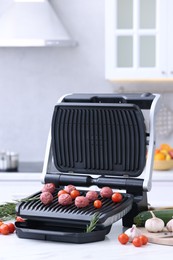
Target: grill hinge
[[131, 185]]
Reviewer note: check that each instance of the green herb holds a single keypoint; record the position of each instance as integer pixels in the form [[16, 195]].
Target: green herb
[[28, 199], [93, 223], [8, 209]]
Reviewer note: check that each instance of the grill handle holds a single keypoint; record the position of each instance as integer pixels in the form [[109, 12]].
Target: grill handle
[[132, 185]]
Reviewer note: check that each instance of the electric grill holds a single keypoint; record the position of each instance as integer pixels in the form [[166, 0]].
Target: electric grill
[[95, 140]]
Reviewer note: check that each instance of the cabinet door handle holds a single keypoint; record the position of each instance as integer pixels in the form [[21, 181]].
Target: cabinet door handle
[[163, 72]]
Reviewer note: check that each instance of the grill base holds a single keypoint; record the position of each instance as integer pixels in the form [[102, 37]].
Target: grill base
[[45, 231], [68, 223]]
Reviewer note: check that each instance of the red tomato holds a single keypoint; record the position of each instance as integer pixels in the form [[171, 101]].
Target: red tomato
[[1, 224], [123, 238], [11, 227], [117, 197], [137, 242], [74, 194], [143, 239], [4, 229], [19, 219], [97, 204], [62, 192]]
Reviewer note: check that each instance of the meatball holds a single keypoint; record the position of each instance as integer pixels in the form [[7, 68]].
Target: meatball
[[49, 187], [91, 195], [46, 197], [65, 199], [81, 201], [69, 188], [106, 192]]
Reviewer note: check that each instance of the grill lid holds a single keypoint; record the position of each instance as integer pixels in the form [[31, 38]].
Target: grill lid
[[99, 139]]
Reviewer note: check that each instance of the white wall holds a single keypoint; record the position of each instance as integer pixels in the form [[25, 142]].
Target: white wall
[[33, 79]]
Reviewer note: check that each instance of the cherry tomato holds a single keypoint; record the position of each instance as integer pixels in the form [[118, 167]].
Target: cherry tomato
[[1, 224], [11, 227], [97, 204], [143, 239], [19, 219], [117, 197], [4, 229], [123, 238], [62, 192], [137, 242], [74, 194]]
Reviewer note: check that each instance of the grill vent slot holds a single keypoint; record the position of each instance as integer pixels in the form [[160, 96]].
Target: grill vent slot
[[92, 138]]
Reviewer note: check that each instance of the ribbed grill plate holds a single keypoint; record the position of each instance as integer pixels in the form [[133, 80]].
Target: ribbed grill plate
[[110, 212], [99, 139]]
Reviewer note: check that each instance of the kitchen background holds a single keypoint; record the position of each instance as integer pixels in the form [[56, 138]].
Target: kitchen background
[[32, 79]]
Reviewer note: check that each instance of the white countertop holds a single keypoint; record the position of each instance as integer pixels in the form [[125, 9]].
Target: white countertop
[[16, 248], [20, 176], [162, 176]]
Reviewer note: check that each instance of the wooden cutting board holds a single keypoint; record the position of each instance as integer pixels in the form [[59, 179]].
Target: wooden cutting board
[[161, 238]]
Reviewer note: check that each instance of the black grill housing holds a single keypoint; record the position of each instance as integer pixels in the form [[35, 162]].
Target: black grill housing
[[93, 134]]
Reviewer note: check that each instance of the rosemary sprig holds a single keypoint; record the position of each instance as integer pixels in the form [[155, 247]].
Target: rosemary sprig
[[93, 223], [27, 199], [8, 209]]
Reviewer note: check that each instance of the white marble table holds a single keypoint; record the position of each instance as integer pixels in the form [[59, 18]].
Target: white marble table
[[12, 247]]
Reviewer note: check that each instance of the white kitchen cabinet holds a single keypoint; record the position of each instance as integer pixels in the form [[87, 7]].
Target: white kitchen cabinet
[[139, 40]]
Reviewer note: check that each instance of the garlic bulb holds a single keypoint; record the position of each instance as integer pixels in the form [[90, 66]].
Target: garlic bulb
[[154, 224], [133, 232], [169, 225]]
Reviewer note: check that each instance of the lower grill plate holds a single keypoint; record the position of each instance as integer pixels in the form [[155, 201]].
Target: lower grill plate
[[68, 223]]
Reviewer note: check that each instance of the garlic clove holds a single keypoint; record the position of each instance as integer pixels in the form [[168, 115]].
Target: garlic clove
[[133, 232], [169, 225], [154, 224]]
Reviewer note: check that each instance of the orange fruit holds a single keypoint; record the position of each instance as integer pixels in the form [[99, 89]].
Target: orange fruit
[[159, 157], [157, 150], [166, 147], [164, 152]]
